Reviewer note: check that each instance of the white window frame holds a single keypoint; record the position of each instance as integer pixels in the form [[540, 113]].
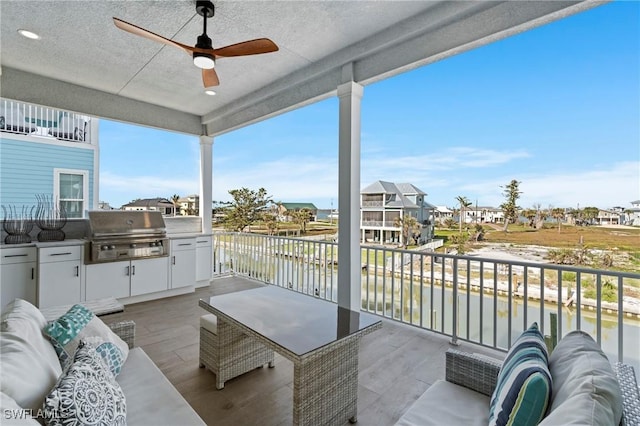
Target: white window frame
[[85, 187]]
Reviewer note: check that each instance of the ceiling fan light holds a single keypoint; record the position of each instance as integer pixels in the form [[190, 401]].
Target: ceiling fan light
[[204, 61]]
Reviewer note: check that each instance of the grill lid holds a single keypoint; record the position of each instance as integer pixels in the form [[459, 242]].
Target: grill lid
[[118, 224]]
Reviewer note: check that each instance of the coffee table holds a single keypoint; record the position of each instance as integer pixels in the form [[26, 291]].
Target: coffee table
[[319, 337]]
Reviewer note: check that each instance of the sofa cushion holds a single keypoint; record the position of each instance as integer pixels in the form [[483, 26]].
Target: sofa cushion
[[445, 403], [523, 388], [25, 375], [14, 415], [79, 323], [86, 394], [585, 388], [151, 398], [26, 321]]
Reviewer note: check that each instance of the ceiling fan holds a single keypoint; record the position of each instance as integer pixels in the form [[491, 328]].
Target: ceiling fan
[[203, 53]]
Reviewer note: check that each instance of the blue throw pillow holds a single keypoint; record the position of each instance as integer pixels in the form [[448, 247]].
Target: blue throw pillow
[[79, 323], [523, 388]]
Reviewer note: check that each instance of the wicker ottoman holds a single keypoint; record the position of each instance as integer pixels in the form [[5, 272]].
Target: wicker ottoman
[[247, 353]]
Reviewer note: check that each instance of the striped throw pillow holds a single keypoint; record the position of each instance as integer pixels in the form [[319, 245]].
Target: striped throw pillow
[[523, 389]]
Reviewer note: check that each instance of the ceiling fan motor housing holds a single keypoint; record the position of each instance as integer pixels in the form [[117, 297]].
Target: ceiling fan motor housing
[[204, 8]]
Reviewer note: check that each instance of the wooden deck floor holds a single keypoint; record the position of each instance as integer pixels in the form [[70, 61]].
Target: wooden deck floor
[[397, 364]]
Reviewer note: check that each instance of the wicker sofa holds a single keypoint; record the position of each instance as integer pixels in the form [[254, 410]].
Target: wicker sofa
[[30, 367], [586, 389]]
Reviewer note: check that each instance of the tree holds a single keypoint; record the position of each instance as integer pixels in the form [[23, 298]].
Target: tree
[[590, 214], [174, 200], [409, 226], [246, 208], [558, 214], [301, 218], [509, 207], [530, 214], [464, 203], [270, 222]]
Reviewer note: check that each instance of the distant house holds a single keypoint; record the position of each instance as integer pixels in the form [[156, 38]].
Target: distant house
[[608, 217], [161, 205], [442, 213], [284, 210], [478, 214], [103, 205], [381, 203], [188, 206], [632, 215]]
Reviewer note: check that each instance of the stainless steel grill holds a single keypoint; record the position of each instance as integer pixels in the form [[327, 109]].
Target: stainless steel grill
[[125, 235]]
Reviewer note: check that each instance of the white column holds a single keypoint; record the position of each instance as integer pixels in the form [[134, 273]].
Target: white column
[[349, 256], [206, 182]]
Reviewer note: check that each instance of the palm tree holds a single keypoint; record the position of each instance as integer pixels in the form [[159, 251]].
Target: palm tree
[[464, 203], [558, 214], [409, 226], [174, 200]]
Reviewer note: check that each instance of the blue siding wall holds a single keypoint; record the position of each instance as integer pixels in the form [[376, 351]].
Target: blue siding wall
[[26, 169]]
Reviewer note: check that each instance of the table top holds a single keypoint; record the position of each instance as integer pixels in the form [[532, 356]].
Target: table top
[[297, 322]]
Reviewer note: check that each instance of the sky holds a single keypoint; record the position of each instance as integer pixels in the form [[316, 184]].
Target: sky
[[556, 108]]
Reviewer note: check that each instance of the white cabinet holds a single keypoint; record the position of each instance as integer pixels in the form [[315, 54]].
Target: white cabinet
[[17, 274], [148, 275], [183, 262], [203, 261], [124, 279], [59, 280], [110, 279]]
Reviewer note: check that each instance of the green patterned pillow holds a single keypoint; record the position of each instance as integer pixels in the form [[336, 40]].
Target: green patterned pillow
[[79, 323], [523, 388]]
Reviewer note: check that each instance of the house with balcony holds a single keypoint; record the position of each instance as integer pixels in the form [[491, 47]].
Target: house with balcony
[[337, 50], [50, 152], [383, 205], [189, 205]]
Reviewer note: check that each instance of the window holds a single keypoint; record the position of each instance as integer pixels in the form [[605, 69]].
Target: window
[[71, 188]]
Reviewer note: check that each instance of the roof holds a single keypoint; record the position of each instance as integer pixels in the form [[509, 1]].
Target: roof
[[299, 206], [322, 44], [146, 202], [401, 201]]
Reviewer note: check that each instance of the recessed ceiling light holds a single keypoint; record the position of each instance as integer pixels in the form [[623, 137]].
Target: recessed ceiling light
[[28, 34], [210, 92]]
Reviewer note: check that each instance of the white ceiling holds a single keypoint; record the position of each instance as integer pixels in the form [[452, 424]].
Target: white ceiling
[[84, 63]]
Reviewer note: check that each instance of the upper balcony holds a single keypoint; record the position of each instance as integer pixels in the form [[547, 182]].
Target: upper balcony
[[34, 120]]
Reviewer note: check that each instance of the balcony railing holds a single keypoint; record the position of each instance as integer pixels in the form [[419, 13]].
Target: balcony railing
[[479, 300], [28, 119], [377, 203]]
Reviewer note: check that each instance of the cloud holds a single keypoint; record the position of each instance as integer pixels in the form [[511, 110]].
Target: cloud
[[287, 179], [603, 187], [118, 189]]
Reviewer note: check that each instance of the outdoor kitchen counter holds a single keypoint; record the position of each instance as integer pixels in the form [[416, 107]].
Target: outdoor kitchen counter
[[45, 244]]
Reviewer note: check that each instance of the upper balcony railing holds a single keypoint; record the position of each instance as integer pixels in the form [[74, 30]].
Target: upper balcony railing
[[479, 300], [28, 119], [376, 203]]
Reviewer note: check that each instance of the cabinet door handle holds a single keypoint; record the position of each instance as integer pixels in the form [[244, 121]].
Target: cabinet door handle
[[16, 255], [33, 273], [77, 271], [173, 260], [133, 270], [126, 271], [67, 253], [184, 244]]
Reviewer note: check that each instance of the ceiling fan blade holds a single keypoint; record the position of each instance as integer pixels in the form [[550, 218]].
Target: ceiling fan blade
[[210, 77], [134, 29], [251, 47]]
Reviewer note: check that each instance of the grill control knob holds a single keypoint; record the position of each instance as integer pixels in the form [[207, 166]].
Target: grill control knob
[[153, 244], [132, 245], [105, 247], [112, 247]]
